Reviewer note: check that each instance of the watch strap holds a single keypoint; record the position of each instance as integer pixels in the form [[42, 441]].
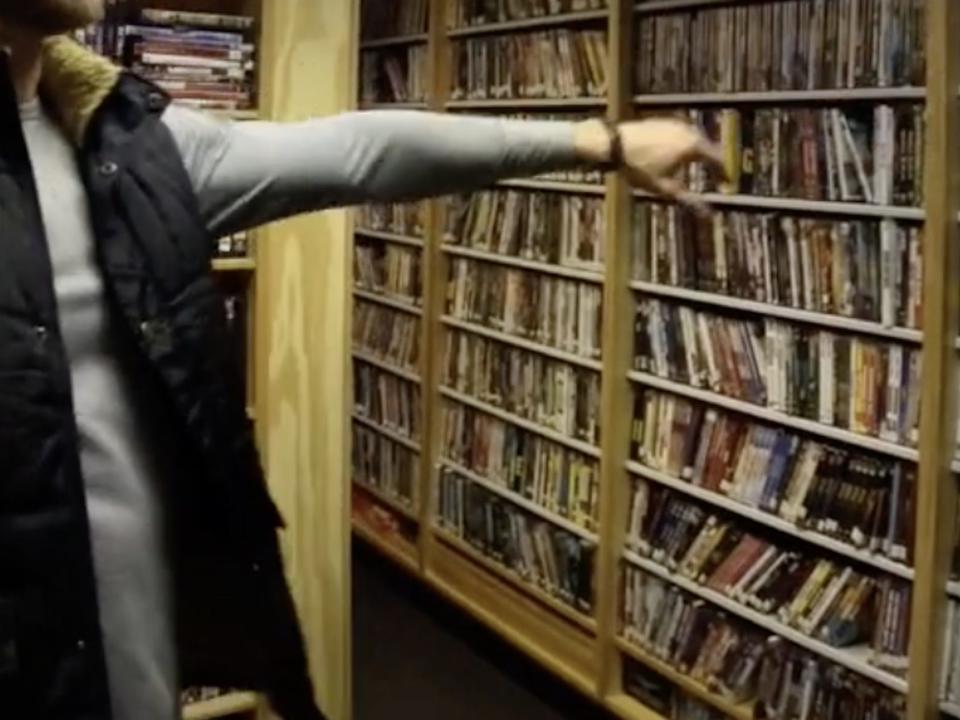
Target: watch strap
[[616, 160]]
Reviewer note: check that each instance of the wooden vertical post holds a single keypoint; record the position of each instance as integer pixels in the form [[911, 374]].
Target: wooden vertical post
[[616, 402], [303, 343], [936, 487], [435, 268]]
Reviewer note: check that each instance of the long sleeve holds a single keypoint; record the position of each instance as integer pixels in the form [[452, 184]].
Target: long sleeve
[[247, 174]]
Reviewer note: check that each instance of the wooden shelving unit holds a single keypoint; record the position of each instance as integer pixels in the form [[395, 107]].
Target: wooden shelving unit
[[234, 264], [222, 707], [692, 687], [589, 651]]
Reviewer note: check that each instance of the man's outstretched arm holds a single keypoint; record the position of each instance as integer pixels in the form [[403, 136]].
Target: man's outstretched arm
[[247, 174]]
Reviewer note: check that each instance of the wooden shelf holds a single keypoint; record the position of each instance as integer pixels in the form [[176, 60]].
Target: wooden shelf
[[519, 342], [394, 41], [401, 305], [951, 709], [652, 6], [559, 645], [542, 21], [783, 97], [389, 237], [776, 417], [413, 105], [221, 707], [528, 425], [810, 317], [520, 501], [628, 707], [235, 115], [385, 366], [234, 264], [818, 207], [586, 622], [409, 443], [774, 522], [394, 503], [853, 658], [533, 619], [394, 548], [693, 688], [527, 103], [590, 276], [554, 186]]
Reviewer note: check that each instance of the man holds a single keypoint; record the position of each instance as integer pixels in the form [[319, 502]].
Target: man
[[138, 547]]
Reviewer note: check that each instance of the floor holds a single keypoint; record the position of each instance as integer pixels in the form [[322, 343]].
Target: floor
[[417, 657]]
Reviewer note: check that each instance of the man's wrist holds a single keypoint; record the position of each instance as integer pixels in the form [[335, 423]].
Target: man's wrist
[[595, 144]]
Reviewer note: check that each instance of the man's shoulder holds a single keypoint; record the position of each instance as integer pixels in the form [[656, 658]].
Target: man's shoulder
[[201, 138]]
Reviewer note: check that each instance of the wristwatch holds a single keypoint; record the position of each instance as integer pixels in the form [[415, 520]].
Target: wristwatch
[[616, 160]]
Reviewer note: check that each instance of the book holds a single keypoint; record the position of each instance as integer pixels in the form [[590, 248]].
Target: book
[[551, 393], [393, 18], [547, 557], [386, 465], [784, 45], [388, 269], [203, 60], [197, 19], [557, 64], [394, 75], [860, 153], [465, 13], [408, 219], [386, 334], [842, 493], [779, 365], [796, 684], [734, 660], [704, 643], [547, 227], [561, 480], [950, 672], [822, 597], [234, 245], [865, 269], [551, 311], [386, 399]]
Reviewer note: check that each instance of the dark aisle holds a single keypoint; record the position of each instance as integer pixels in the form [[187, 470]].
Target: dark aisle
[[417, 657]]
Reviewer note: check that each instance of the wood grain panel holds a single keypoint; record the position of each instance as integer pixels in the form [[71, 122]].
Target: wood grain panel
[[617, 394], [936, 486], [303, 370]]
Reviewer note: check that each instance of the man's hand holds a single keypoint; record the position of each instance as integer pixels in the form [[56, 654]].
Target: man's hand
[[654, 152]]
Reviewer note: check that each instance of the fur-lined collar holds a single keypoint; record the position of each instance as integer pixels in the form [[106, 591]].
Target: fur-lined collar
[[75, 83]]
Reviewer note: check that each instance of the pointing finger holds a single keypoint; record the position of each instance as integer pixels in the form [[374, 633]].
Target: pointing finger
[[712, 155]]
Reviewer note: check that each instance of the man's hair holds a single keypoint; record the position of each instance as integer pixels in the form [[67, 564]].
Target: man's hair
[[50, 17]]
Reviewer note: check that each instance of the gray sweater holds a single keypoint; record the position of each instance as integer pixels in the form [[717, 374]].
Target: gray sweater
[[244, 175]]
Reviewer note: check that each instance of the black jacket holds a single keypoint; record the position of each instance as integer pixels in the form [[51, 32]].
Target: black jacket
[[236, 621]]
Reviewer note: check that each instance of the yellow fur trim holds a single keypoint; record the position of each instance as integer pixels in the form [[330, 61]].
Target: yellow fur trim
[[74, 83]]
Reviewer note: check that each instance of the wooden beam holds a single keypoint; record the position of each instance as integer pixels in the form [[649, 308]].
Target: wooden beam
[[616, 393], [435, 269], [936, 487], [303, 343]]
